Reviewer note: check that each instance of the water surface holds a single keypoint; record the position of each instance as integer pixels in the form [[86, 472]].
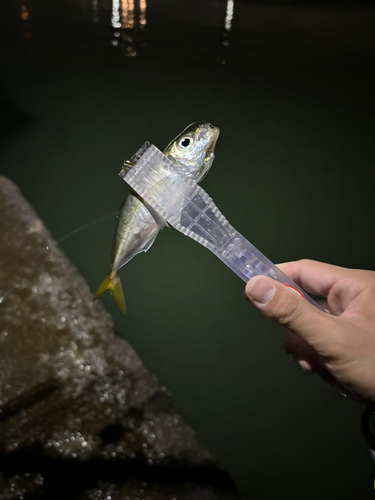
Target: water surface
[[85, 83]]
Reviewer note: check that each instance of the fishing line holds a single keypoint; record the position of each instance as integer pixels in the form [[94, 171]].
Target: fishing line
[[3, 296], [87, 225]]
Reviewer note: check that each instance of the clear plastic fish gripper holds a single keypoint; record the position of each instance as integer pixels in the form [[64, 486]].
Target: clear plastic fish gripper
[[188, 208]]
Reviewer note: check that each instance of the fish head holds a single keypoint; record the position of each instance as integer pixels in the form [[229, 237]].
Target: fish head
[[193, 149]]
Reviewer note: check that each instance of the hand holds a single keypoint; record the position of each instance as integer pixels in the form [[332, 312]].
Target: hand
[[340, 346]]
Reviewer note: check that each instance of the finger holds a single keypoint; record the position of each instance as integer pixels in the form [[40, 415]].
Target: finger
[[301, 352], [284, 306], [310, 361], [314, 277], [324, 305]]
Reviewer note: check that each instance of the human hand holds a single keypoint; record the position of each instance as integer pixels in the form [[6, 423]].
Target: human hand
[[340, 346]]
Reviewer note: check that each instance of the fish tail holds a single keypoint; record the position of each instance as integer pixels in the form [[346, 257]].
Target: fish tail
[[113, 284]]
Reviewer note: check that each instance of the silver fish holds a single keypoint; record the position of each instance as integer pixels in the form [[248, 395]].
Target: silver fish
[[137, 227]]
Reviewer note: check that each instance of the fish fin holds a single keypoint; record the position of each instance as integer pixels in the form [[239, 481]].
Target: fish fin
[[105, 285], [118, 294], [113, 284], [149, 244]]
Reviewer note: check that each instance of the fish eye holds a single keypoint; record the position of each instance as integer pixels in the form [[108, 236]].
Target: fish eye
[[185, 142]]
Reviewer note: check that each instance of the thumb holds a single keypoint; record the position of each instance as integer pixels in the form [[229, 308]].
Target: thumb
[[286, 307]]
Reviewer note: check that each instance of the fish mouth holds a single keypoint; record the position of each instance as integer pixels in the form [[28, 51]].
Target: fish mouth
[[215, 136]]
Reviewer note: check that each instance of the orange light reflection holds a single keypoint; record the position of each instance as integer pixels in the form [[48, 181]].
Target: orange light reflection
[[24, 13], [127, 14], [142, 13]]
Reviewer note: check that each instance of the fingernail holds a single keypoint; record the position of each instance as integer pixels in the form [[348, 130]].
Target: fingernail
[[261, 290], [305, 365]]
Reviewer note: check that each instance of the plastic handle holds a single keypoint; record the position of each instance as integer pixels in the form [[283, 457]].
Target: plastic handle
[[189, 209]]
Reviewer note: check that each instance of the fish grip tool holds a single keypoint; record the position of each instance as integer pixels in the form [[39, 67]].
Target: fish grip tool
[[189, 209]]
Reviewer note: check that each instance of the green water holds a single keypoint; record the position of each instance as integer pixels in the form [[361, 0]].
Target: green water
[[292, 90]]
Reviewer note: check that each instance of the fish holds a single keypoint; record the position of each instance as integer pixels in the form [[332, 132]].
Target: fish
[[138, 225]]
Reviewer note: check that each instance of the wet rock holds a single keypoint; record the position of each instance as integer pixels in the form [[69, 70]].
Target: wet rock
[[80, 415]]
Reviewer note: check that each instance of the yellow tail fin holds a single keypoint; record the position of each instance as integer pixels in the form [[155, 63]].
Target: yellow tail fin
[[113, 284]]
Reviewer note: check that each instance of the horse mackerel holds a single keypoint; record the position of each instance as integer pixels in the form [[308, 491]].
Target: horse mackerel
[[193, 152]]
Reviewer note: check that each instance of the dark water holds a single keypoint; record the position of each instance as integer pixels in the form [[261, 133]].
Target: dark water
[[84, 83]]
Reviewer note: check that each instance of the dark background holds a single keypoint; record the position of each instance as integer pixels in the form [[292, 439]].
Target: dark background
[[291, 85]]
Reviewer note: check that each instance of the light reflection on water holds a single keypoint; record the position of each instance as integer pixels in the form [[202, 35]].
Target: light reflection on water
[[24, 15], [225, 32], [128, 21], [229, 15], [116, 14]]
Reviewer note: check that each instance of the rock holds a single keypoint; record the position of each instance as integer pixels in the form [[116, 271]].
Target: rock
[[80, 415]]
